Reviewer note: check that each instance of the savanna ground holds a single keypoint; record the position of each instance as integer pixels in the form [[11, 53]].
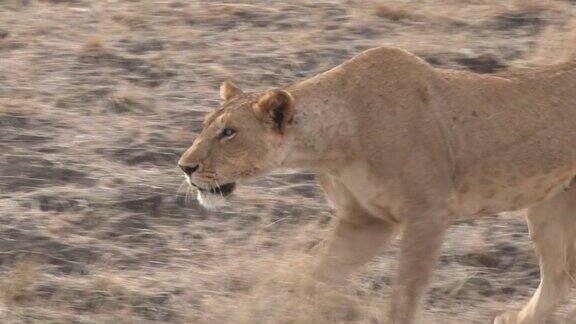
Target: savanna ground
[[99, 98]]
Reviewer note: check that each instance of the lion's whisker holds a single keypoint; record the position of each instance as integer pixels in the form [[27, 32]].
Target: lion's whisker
[[219, 188], [188, 197], [179, 191]]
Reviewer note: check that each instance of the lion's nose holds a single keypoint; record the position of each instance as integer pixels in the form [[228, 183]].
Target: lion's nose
[[188, 169]]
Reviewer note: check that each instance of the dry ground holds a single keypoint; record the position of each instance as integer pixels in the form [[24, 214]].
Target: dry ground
[[98, 99]]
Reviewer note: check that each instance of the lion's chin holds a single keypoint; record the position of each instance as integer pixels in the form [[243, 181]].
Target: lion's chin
[[211, 201], [213, 197]]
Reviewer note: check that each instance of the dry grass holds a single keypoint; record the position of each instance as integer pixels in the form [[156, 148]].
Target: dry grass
[[99, 98], [534, 5], [18, 285], [394, 12], [94, 43]]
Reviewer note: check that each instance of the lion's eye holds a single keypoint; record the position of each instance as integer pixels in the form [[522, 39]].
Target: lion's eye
[[227, 133]]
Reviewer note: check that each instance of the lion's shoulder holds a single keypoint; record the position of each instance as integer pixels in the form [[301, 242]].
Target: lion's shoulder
[[386, 57]]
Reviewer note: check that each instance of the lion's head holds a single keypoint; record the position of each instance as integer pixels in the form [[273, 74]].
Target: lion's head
[[239, 140]]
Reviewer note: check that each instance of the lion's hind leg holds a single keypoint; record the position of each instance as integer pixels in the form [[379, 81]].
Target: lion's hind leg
[[552, 226]]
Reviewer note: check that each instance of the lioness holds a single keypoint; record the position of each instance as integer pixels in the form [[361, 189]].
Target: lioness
[[400, 145]]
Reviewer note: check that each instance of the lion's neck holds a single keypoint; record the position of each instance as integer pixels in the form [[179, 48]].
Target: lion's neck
[[320, 133]]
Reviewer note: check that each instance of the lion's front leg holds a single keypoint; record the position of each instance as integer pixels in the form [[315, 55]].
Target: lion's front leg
[[422, 238], [356, 238]]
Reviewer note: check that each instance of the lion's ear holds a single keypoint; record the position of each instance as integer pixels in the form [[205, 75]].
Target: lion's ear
[[228, 90], [277, 107]]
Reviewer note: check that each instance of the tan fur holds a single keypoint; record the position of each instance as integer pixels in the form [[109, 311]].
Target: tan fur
[[402, 146]]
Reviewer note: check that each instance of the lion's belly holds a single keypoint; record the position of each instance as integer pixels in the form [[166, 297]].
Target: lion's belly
[[489, 196], [476, 196]]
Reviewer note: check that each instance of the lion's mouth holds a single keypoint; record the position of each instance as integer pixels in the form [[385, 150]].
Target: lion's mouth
[[223, 190]]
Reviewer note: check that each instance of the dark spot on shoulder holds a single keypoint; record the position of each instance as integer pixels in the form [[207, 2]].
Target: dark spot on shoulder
[[423, 94]]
